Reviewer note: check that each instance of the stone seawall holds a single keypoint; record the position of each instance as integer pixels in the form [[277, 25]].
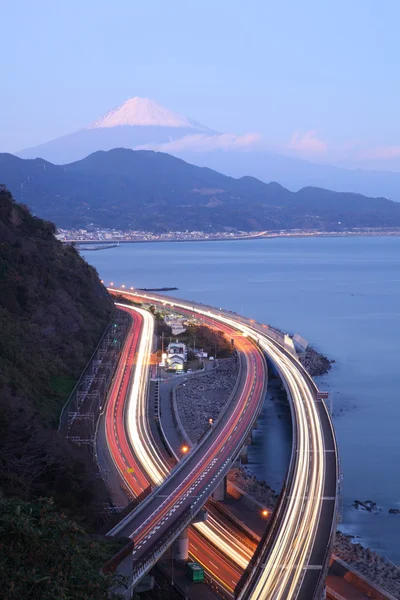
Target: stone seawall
[[200, 398], [315, 363]]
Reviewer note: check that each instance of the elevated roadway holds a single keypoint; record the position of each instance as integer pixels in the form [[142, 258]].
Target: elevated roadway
[[171, 507], [293, 556], [212, 544]]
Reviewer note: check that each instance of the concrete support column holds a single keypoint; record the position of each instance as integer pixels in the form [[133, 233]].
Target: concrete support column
[[220, 491], [182, 546], [244, 459], [145, 584]]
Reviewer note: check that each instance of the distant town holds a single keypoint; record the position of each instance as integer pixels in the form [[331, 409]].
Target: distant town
[[118, 235], [112, 236]]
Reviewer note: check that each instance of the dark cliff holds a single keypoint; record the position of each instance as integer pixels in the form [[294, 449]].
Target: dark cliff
[[53, 311]]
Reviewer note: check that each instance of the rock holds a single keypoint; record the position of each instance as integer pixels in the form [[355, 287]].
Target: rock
[[368, 505], [315, 363], [203, 397], [394, 511], [369, 563]]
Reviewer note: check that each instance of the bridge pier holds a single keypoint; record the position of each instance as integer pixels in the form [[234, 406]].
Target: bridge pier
[[243, 454], [181, 546], [201, 516], [144, 585], [220, 491]]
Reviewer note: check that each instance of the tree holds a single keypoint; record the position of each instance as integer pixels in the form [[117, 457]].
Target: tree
[[209, 339], [44, 556]]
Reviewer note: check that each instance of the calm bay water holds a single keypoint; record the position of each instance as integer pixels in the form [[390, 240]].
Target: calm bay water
[[343, 295]]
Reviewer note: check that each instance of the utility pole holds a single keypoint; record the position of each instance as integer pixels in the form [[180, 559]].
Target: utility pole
[[172, 563]]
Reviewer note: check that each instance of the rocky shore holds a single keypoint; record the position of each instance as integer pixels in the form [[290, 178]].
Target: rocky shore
[[202, 397], [315, 363], [249, 483], [367, 562]]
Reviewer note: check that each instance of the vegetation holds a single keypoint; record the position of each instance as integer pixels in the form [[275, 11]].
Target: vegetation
[[153, 191], [44, 556], [53, 311], [210, 340]]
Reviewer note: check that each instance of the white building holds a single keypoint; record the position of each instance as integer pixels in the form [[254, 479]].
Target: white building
[[176, 356]]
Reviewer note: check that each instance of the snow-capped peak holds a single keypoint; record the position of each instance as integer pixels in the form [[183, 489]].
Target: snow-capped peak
[[143, 112]]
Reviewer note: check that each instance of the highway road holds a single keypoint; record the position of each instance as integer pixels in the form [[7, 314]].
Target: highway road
[[125, 462], [216, 456], [293, 555], [226, 566]]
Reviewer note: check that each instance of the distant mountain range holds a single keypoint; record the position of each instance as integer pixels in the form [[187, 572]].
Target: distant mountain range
[[152, 191], [140, 123]]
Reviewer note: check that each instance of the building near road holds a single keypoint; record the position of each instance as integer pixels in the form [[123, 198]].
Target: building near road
[[177, 324], [176, 356]]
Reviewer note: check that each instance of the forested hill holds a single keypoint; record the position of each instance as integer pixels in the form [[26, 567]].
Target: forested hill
[[152, 191], [53, 311]]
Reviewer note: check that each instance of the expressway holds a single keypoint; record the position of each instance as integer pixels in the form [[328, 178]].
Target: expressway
[[193, 481], [292, 558], [124, 461], [128, 390]]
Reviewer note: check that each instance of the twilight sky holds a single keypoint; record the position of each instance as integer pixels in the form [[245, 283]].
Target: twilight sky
[[317, 79]]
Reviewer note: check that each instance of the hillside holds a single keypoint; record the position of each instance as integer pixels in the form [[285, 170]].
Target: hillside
[[152, 191], [53, 311]]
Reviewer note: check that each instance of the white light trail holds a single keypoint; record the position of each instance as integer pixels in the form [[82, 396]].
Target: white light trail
[[294, 540]]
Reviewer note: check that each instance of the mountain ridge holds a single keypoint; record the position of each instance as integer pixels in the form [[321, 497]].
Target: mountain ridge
[[152, 191], [225, 152]]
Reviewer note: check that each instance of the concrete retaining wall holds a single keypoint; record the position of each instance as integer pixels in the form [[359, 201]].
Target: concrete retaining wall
[[342, 569], [239, 494]]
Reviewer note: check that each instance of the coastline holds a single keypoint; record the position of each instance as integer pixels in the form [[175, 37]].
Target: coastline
[[256, 236], [362, 560], [344, 296]]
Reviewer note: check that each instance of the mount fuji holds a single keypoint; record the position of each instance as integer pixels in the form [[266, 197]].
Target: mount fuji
[[143, 124], [138, 122]]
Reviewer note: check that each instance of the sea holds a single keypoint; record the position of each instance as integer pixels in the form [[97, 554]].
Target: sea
[[343, 296]]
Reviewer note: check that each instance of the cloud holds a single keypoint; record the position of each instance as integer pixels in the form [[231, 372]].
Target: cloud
[[380, 153], [307, 143], [205, 143]]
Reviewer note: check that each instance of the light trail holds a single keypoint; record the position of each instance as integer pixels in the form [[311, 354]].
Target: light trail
[[153, 463], [288, 558], [140, 437]]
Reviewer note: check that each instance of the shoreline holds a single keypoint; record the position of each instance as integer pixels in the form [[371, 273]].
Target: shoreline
[[369, 564], [256, 236]]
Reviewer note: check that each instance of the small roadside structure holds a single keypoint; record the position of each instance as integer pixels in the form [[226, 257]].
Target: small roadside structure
[[176, 356]]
